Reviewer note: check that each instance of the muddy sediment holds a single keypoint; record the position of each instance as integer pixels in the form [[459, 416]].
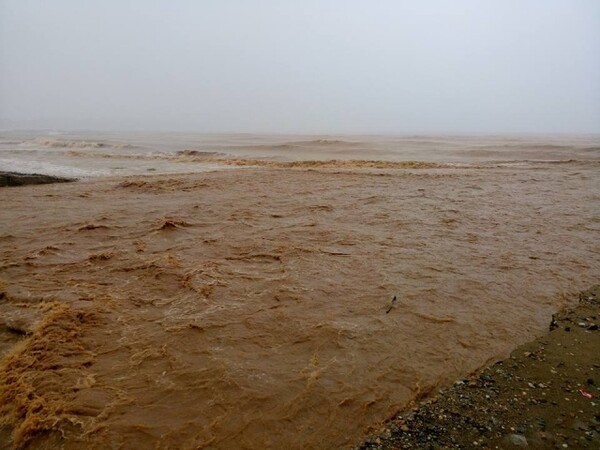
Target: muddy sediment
[[253, 308]]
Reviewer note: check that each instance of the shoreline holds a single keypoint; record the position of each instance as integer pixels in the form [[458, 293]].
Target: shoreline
[[545, 395]]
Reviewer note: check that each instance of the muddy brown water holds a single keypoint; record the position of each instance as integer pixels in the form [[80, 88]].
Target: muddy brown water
[[248, 308]]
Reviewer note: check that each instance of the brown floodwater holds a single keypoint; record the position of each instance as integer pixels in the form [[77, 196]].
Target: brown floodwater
[[253, 308]]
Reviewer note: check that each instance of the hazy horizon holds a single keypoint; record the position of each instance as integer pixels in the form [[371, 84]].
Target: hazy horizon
[[335, 67]]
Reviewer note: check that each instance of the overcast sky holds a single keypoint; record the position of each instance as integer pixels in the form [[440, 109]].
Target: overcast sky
[[337, 66]]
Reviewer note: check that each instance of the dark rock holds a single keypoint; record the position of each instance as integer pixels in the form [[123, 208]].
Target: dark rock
[[22, 179]]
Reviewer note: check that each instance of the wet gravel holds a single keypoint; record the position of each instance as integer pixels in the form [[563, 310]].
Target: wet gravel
[[546, 395]]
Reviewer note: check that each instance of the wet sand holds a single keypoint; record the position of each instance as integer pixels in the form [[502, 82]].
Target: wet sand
[[249, 308]]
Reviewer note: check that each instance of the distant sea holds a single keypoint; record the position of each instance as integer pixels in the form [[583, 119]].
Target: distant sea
[[97, 154]]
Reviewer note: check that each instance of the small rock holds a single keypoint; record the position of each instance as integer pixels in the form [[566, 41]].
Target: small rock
[[580, 425], [516, 440]]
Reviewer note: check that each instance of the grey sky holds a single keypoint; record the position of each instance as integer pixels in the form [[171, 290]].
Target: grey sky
[[339, 66]]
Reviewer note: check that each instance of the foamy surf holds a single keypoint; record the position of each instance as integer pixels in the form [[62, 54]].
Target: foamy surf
[[48, 168], [86, 153]]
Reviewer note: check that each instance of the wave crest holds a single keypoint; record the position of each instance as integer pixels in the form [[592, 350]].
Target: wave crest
[[58, 143], [316, 143]]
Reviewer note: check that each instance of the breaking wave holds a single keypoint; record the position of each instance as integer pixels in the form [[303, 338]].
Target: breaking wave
[[58, 143], [190, 156], [188, 152], [316, 143]]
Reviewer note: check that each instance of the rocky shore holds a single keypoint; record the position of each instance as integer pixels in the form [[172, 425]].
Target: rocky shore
[[546, 395], [21, 179]]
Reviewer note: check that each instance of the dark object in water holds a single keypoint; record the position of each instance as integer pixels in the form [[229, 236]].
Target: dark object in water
[[22, 179], [392, 305], [553, 323]]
